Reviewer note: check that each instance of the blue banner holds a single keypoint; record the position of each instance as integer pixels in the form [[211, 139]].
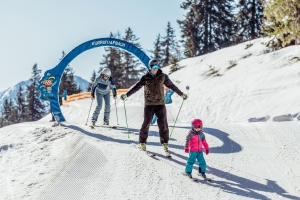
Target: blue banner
[[49, 84]]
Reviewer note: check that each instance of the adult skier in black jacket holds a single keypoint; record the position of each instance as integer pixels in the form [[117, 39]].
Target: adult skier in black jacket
[[153, 83]]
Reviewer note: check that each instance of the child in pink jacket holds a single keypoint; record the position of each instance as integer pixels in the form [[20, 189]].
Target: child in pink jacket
[[194, 142]]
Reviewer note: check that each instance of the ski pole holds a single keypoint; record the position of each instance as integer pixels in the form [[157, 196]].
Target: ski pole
[[126, 119], [89, 112], [176, 118], [187, 88], [116, 111]]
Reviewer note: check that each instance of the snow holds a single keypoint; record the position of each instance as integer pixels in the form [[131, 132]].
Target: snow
[[247, 160]]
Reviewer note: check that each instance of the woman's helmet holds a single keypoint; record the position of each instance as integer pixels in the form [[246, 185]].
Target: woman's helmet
[[197, 123], [106, 72]]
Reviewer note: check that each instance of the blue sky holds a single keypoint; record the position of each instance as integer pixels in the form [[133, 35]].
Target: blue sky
[[37, 31]]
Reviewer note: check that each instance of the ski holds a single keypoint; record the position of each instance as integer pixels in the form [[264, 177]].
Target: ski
[[105, 126], [192, 179], [148, 153], [206, 179]]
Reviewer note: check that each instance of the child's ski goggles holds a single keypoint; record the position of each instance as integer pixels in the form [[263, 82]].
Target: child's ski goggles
[[155, 67], [197, 127]]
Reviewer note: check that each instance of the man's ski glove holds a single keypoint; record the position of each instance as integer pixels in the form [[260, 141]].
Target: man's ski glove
[[186, 150], [207, 151], [184, 96], [92, 97], [115, 97], [123, 97]]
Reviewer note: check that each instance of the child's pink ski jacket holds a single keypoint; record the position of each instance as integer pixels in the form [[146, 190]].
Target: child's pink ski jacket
[[195, 141]]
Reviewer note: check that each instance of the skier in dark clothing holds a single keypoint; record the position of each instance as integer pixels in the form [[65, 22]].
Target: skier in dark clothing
[[153, 83]]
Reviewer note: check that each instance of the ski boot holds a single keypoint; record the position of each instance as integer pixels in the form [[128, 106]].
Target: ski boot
[[188, 174], [93, 124], [165, 147], [105, 123], [204, 175], [142, 146]]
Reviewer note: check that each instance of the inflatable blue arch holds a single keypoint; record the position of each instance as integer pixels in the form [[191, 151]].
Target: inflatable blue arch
[[49, 84]]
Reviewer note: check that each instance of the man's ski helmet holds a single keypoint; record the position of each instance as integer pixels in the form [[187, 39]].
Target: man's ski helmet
[[197, 123], [153, 62], [106, 72]]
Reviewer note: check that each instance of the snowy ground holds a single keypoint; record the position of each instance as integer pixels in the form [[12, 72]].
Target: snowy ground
[[246, 161]]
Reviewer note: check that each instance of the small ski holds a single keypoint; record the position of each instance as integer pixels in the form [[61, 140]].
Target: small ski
[[192, 179], [206, 179], [105, 126]]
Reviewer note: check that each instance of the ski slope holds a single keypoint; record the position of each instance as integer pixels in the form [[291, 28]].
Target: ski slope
[[246, 161]]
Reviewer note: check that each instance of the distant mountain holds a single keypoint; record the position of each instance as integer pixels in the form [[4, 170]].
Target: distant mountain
[[11, 92], [82, 83]]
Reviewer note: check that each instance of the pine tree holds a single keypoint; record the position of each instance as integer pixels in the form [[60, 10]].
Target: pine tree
[[93, 78], [13, 117], [283, 17], [174, 64], [178, 51], [207, 26], [168, 44], [249, 19], [112, 60], [268, 30], [67, 82], [130, 64], [191, 33], [20, 105], [7, 111], [157, 52], [34, 107], [1, 122]]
